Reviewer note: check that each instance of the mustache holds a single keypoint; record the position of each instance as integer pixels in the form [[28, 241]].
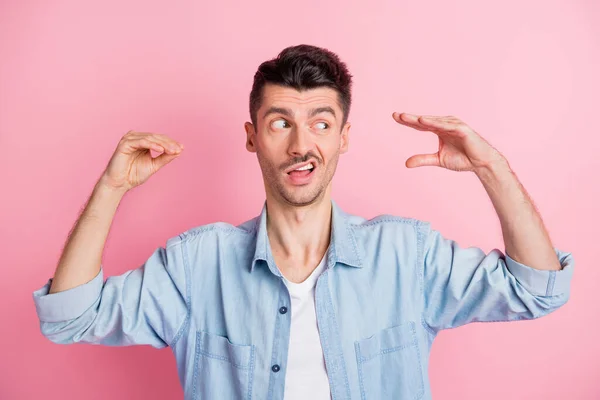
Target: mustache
[[298, 160]]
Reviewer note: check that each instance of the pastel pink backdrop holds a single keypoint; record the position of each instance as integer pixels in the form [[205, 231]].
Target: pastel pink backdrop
[[75, 76]]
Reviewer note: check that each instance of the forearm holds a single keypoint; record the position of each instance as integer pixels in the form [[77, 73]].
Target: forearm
[[81, 258], [526, 239]]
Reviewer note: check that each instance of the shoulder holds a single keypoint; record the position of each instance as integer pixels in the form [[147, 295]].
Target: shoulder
[[384, 229], [386, 221], [215, 230]]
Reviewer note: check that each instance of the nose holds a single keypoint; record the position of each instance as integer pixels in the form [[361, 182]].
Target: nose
[[300, 142]]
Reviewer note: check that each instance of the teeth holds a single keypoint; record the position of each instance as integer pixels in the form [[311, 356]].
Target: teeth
[[308, 166]]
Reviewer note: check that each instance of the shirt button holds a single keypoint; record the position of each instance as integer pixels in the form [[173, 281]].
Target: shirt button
[[275, 368], [283, 310]]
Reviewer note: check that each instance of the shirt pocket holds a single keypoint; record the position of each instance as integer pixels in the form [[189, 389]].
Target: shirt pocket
[[222, 370], [389, 364]]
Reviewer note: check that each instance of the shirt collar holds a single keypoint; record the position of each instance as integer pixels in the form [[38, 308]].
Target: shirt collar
[[342, 246]]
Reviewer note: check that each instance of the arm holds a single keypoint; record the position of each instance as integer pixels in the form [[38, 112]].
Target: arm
[[147, 305], [139, 306], [525, 237], [81, 257], [463, 285], [130, 166]]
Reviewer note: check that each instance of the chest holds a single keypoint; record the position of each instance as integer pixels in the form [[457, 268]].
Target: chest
[[255, 333], [297, 271]]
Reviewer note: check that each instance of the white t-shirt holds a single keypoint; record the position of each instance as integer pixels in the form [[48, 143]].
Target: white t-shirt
[[306, 376]]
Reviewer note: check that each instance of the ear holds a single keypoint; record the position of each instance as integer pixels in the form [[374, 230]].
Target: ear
[[345, 138], [250, 136]]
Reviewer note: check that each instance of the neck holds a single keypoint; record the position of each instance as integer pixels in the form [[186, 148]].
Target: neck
[[299, 234]]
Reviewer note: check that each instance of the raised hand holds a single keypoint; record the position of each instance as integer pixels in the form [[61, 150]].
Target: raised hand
[[460, 147], [132, 164]]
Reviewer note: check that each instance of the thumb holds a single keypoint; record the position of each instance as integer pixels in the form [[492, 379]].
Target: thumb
[[422, 160], [163, 160]]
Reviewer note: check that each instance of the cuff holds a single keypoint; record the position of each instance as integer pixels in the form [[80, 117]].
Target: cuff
[[68, 304], [544, 282]]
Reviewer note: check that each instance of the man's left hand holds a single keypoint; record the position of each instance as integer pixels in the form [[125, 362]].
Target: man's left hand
[[460, 148]]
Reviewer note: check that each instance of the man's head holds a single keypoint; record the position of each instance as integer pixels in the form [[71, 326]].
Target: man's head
[[299, 106]]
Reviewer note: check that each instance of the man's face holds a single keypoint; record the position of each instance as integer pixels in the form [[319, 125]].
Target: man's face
[[298, 138]]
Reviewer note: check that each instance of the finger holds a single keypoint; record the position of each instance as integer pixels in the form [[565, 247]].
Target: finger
[[163, 160], [412, 118], [438, 123], [431, 123], [422, 160], [166, 146], [164, 140], [168, 141], [404, 119], [142, 143], [443, 118]]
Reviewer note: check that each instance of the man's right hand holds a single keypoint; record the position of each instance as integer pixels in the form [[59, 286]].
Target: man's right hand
[[132, 164]]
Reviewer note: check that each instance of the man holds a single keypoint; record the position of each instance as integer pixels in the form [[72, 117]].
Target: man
[[305, 300]]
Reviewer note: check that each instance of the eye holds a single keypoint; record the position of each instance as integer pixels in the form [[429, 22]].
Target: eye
[[322, 125], [280, 124]]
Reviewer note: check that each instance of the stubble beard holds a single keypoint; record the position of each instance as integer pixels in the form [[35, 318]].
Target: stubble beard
[[299, 196]]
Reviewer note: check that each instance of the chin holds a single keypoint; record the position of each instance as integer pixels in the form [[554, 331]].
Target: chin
[[302, 199]]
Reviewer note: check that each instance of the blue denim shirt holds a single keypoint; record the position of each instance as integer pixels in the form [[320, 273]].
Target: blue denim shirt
[[215, 296]]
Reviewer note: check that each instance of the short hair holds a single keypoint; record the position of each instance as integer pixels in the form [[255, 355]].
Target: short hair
[[303, 67]]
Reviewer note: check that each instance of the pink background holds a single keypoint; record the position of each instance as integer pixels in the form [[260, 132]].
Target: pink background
[[75, 77]]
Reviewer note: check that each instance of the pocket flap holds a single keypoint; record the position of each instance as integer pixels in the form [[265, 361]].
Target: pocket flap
[[221, 348], [387, 340]]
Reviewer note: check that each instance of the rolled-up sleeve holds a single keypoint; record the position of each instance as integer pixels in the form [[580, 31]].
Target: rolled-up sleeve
[[147, 305], [464, 284], [68, 304], [544, 282]]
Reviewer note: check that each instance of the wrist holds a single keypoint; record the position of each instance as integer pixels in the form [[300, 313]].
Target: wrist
[[105, 186], [493, 168]]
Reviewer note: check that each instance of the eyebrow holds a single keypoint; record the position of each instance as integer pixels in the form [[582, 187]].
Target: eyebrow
[[288, 112], [278, 110], [320, 110]]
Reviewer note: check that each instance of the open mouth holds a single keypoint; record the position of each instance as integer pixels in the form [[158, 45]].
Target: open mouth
[[302, 174], [303, 170], [307, 167]]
